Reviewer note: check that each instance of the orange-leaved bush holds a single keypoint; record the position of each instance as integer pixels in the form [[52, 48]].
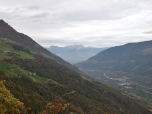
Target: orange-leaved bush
[[56, 107], [8, 103]]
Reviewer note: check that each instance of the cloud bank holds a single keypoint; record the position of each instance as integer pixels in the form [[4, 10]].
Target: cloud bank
[[98, 23]]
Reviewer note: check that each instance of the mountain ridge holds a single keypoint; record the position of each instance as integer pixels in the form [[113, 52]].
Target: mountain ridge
[[119, 57], [6, 31]]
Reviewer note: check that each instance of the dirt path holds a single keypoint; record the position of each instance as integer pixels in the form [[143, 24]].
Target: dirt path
[[47, 81], [72, 92]]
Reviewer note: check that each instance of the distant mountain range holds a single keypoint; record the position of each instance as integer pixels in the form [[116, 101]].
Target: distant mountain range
[[75, 53]]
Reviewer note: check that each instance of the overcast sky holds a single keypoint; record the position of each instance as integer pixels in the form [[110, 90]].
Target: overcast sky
[[97, 23]]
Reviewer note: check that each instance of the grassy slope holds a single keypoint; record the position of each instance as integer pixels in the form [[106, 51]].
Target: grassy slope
[[88, 79], [4, 47], [38, 79], [11, 70]]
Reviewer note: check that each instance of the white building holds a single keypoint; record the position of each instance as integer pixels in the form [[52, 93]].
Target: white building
[[7, 51]]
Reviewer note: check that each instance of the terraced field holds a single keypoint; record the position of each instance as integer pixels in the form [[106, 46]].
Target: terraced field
[[12, 70], [5, 47]]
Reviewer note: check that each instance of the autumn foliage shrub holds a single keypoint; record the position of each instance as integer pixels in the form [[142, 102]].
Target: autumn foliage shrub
[[56, 107], [8, 103]]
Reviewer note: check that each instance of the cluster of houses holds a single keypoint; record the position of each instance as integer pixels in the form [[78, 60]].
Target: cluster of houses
[[30, 73]]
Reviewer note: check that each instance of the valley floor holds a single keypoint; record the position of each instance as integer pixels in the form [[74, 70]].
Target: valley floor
[[133, 85]]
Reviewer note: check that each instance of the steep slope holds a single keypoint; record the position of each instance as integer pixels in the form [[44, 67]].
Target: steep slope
[[83, 94], [8, 32], [75, 53], [132, 57]]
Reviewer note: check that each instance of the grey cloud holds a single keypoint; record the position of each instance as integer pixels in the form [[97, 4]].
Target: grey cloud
[[101, 10], [99, 38], [95, 42], [33, 7], [40, 15], [69, 18], [148, 32], [58, 42], [22, 10], [82, 16], [90, 15], [99, 42], [47, 43]]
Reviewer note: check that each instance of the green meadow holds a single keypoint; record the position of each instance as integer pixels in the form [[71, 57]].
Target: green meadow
[[38, 79], [85, 78], [5, 47], [12, 70]]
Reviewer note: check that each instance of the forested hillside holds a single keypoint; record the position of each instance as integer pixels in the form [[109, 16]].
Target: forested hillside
[[54, 81]]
